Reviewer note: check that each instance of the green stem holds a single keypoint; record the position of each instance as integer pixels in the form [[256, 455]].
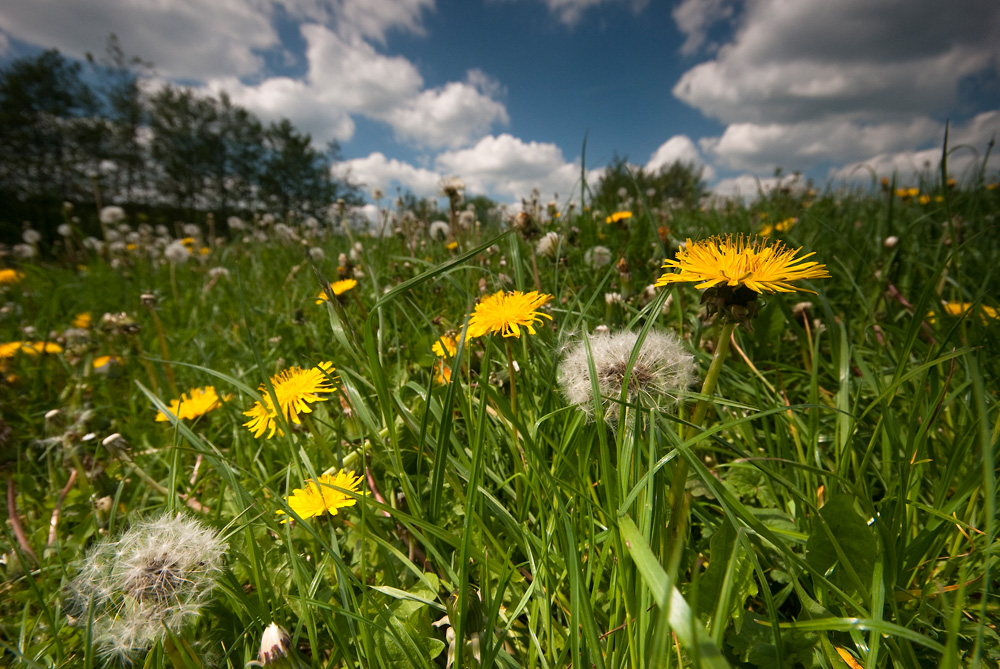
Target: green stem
[[680, 499]]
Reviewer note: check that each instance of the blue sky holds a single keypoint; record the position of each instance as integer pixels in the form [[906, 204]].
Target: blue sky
[[502, 92]]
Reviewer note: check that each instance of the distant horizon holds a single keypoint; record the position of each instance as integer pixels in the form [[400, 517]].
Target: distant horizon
[[503, 93]]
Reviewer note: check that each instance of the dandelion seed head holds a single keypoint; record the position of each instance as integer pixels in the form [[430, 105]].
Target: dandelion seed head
[[157, 576], [548, 245], [662, 370], [111, 215]]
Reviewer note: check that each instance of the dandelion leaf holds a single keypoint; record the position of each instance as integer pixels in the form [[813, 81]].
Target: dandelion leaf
[[753, 646], [728, 560], [854, 539]]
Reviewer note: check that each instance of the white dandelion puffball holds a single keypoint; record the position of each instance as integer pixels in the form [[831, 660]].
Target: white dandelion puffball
[[663, 369], [158, 576], [176, 253], [111, 215], [548, 245]]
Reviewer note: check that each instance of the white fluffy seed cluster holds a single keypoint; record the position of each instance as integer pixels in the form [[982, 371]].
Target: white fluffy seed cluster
[[662, 370], [157, 576]]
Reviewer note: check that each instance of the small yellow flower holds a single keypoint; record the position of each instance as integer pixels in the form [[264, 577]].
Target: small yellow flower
[[82, 320], [10, 349], [8, 277], [924, 199], [296, 389], [956, 309], [445, 347], [755, 264], [907, 193], [105, 363], [204, 251], [194, 404], [327, 496], [618, 217], [338, 288], [506, 313], [442, 373], [451, 246]]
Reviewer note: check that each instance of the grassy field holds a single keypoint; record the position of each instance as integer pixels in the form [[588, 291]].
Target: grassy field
[[823, 495]]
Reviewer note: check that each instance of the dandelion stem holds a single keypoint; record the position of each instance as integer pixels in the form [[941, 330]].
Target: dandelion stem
[[680, 499]]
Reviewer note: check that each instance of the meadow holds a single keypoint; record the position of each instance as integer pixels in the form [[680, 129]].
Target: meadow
[[196, 446]]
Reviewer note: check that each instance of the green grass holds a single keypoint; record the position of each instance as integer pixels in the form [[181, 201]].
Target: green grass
[[842, 488]]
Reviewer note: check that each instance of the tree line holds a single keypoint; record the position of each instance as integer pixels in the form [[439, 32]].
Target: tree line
[[94, 133]]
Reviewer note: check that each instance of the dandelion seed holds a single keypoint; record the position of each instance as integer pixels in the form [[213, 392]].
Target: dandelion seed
[[317, 499], [662, 369], [439, 231], [158, 576], [505, 313], [548, 244], [111, 215], [177, 253], [597, 257], [296, 389]]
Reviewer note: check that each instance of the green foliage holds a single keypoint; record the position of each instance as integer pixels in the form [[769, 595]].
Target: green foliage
[[838, 498]]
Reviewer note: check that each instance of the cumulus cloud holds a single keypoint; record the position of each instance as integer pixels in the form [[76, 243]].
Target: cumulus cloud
[[968, 143], [762, 147], [347, 76], [189, 39], [679, 148], [449, 116], [807, 84], [510, 167], [377, 171], [791, 61]]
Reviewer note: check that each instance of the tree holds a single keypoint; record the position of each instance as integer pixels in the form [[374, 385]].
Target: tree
[[49, 136], [125, 112]]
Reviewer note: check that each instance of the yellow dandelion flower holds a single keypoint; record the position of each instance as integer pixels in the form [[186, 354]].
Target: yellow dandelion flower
[[445, 347], [924, 199], [104, 363], [8, 277], [29, 347], [618, 217], [451, 246], [956, 309], [327, 496], [505, 313], [204, 251], [196, 402], [9, 349], [296, 389], [442, 373], [757, 265], [338, 288], [82, 320]]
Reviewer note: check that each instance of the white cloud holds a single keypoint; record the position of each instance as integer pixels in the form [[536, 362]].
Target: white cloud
[[4, 44], [679, 148], [198, 39], [695, 17], [377, 171], [570, 12], [749, 187], [450, 116], [185, 38], [347, 76], [762, 147], [967, 143], [506, 166], [794, 61], [806, 84]]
